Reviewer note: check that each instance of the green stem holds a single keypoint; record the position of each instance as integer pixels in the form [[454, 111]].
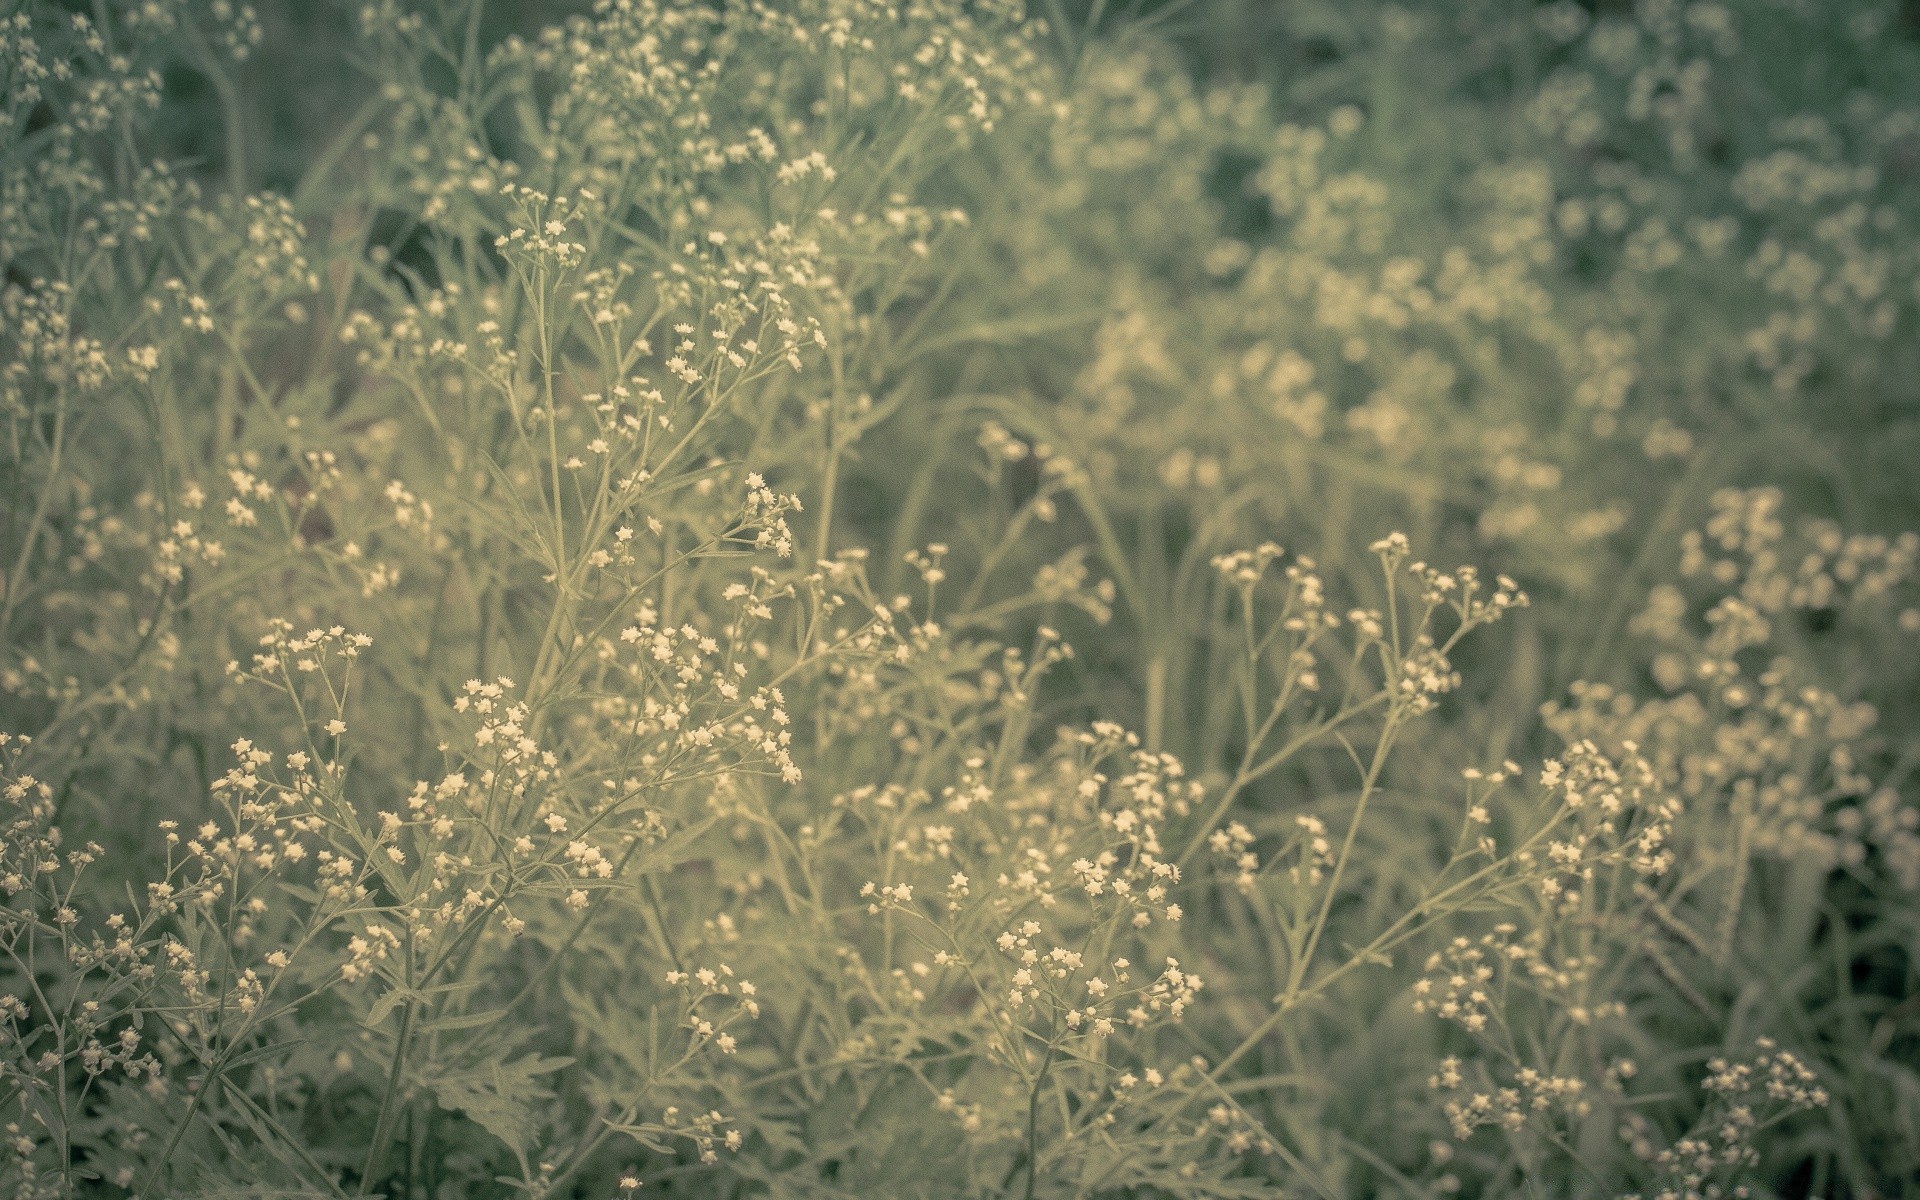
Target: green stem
[[383, 1124]]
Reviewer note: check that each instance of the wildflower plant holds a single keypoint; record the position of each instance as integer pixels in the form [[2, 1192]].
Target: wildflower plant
[[695, 603]]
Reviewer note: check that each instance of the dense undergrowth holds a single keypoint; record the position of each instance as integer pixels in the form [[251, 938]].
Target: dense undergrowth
[[846, 598]]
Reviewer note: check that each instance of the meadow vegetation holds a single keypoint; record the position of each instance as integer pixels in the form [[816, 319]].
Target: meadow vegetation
[[921, 599]]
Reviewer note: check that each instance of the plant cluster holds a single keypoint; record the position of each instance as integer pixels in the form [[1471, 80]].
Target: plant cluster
[[696, 605]]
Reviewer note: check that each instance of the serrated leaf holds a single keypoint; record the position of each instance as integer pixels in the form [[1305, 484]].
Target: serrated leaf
[[388, 1001], [502, 1098]]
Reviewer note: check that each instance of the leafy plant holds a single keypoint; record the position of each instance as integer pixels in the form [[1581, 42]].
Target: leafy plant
[[696, 602]]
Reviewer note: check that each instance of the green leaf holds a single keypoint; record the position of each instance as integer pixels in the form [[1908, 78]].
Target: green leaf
[[390, 1000], [503, 1098], [463, 1021]]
